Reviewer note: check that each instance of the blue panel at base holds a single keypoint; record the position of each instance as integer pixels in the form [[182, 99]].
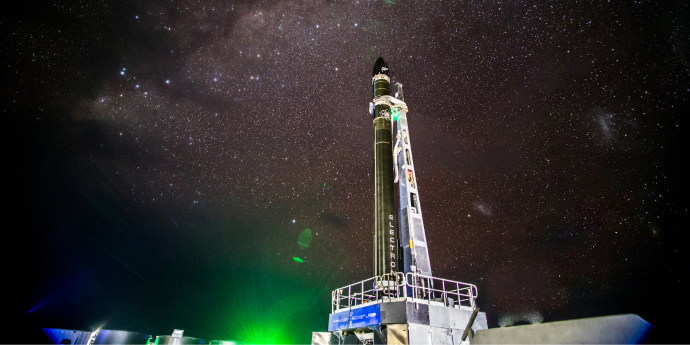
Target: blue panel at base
[[360, 317], [365, 316], [338, 321]]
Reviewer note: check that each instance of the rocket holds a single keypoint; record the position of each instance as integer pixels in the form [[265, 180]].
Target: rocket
[[402, 248], [385, 231], [400, 302]]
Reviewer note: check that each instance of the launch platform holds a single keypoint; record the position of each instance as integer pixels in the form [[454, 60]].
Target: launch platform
[[401, 309]]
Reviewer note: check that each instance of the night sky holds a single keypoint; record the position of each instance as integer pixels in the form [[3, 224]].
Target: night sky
[[168, 155]]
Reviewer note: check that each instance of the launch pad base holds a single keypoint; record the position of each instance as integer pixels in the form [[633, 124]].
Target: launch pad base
[[402, 309], [614, 329], [400, 322]]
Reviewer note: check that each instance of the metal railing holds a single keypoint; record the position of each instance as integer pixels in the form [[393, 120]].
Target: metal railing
[[449, 291], [390, 287], [385, 287]]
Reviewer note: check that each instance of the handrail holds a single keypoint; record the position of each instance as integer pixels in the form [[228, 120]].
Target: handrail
[[391, 286], [387, 286], [426, 286]]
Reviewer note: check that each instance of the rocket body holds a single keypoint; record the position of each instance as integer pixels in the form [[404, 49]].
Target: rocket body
[[385, 230]]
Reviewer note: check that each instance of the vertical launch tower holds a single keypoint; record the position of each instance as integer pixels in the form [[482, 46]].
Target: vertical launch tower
[[402, 303]]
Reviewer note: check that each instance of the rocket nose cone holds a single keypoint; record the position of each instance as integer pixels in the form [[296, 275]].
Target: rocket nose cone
[[380, 67]]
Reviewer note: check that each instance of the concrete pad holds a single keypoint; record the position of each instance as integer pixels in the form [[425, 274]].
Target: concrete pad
[[615, 329]]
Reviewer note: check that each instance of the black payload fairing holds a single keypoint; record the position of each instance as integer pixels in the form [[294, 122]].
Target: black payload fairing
[[385, 234]]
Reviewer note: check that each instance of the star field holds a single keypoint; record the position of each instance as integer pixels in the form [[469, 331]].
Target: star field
[[175, 150]]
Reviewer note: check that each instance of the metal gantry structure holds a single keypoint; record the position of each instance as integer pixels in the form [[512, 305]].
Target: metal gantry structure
[[413, 245]]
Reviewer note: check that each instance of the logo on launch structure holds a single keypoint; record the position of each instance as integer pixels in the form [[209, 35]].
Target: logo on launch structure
[[366, 316], [359, 317]]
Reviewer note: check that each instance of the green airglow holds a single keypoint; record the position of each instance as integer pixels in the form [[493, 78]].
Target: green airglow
[[297, 259], [304, 240], [266, 296]]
